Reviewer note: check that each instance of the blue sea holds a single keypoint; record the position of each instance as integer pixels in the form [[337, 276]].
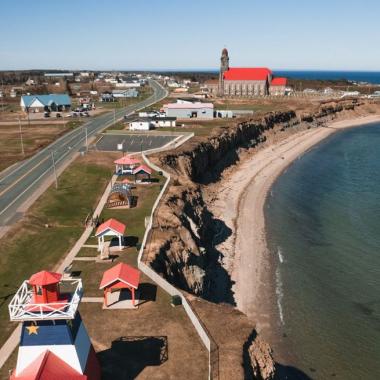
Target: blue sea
[[356, 76], [323, 230]]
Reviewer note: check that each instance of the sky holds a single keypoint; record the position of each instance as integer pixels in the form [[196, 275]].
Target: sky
[[189, 34]]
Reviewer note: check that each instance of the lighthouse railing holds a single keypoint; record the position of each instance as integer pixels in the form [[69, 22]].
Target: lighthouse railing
[[21, 307]]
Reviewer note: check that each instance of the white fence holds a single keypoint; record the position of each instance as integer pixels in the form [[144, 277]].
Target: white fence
[[173, 291]]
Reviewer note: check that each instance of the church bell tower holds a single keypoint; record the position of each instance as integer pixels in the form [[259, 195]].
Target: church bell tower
[[224, 66]]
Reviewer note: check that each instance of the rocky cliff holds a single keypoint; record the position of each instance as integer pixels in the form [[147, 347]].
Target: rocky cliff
[[182, 246], [185, 232]]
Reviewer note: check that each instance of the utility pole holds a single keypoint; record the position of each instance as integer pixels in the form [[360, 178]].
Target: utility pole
[[114, 116], [21, 140], [85, 130], [55, 172]]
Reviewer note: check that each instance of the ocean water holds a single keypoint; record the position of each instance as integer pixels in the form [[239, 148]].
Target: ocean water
[[323, 230], [357, 76]]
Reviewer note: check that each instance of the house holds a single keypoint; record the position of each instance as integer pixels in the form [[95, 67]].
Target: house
[[107, 97], [40, 103], [130, 93], [278, 86], [164, 121], [189, 110], [141, 124]]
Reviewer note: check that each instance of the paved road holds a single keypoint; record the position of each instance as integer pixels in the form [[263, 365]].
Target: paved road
[[18, 183]]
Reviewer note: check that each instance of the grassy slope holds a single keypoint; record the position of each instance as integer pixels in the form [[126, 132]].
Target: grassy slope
[[30, 246]]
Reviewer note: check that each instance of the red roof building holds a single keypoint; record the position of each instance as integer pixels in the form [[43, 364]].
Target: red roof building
[[121, 276], [111, 224], [279, 82], [247, 74], [126, 164], [111, 227]]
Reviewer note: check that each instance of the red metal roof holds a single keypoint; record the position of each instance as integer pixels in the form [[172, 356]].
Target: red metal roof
[[45, 278], [142, 168], [127, 160], [279, 82], [49, 366], [123, 273], [113, 225], [250, 73]]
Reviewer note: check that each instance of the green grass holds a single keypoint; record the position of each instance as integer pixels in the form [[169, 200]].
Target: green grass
[[32, 247], [88, 252]]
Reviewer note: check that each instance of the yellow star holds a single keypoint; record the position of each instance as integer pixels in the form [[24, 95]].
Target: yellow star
[[32, 329]]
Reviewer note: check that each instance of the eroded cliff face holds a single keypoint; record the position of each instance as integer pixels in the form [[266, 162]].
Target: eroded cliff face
[[182, 248]]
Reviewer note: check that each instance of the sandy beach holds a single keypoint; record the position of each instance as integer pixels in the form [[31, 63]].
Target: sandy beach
[[240, 204]]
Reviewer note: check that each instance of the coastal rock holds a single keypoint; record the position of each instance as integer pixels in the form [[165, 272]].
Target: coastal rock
[[261, 360]]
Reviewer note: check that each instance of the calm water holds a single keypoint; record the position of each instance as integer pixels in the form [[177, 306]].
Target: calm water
[[358, 76], [323, 223]]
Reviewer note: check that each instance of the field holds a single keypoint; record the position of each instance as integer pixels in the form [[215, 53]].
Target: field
[[35, 137]]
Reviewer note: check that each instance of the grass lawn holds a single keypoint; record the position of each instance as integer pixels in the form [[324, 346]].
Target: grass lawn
[[130, 340], [199, 127], [87, 252], [35, 137], [30, 247]]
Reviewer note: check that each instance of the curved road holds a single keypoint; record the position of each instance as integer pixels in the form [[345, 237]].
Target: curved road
[[19, 183]]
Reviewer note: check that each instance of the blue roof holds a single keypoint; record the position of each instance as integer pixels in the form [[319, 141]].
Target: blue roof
[[47, 100]]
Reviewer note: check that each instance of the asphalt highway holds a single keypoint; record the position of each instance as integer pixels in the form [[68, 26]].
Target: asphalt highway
[[19, 183]]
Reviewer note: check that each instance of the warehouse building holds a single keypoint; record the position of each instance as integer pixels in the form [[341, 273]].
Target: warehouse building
[[189, 110]]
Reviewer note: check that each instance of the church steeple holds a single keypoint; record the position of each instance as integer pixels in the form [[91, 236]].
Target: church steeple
[[224, 66]]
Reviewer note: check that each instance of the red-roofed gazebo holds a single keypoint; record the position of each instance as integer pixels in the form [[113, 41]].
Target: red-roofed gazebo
[[121, 276], [126, 164], [142, 170], [111, 227]]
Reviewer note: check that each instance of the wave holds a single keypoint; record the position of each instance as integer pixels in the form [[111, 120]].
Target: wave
[[279, 254], [280, 295]]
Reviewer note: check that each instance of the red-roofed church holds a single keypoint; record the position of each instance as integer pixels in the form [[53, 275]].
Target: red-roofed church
[[246, 81]]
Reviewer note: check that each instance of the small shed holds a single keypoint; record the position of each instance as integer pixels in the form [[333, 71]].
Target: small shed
[[121, 276], [111, 227], [126, 164], [143, 171]]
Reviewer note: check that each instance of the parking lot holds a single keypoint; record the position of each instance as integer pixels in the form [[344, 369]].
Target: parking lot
[[132, 143]]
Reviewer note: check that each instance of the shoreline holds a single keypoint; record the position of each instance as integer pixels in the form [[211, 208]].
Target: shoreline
[[240, 204]]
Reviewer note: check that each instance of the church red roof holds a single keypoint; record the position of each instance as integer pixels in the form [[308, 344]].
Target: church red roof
[[250, 73], [279, 82], [44, 278], [48, 366]]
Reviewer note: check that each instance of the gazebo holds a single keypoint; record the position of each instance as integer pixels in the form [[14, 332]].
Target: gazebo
[[122, 276], [111, 227], [143, 170], [126, 164]]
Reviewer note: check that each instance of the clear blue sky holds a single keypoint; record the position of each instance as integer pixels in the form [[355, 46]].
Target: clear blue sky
[[187, 34]]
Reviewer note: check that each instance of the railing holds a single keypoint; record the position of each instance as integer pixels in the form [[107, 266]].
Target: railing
[[206, 338], [22, 309]]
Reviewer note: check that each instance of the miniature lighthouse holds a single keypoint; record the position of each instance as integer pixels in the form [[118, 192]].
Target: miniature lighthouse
[[54, 342]]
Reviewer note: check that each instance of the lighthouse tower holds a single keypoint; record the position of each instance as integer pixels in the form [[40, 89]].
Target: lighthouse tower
[[54, 342]]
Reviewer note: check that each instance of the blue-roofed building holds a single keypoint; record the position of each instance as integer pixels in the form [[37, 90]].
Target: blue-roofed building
[[41, 103]]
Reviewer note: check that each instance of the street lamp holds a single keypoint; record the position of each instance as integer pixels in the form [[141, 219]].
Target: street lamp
[[54, 170]]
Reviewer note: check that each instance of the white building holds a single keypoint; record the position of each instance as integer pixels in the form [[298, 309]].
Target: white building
[[140, 124], [190, 110]]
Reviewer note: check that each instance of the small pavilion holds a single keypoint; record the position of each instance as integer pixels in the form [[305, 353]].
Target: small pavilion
[[126, 164], [111, 227], [121, 276], [143, 171]]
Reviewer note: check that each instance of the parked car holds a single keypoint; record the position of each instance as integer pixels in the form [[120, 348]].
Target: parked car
[[46, 114], [58, 115]]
